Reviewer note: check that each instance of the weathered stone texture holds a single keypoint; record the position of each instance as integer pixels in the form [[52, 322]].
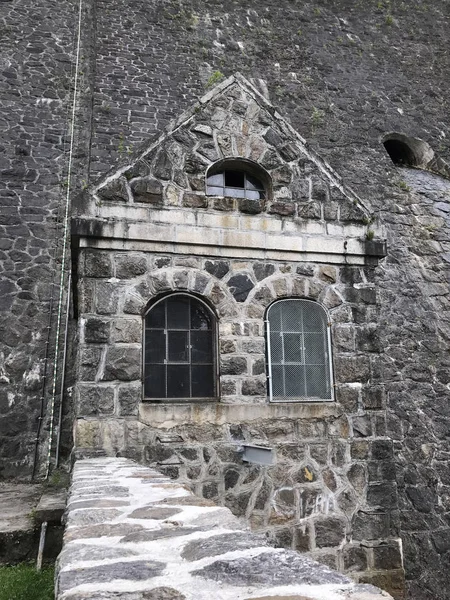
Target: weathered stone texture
[[35, 71], [128, 570], [318, 474], [153, 57]]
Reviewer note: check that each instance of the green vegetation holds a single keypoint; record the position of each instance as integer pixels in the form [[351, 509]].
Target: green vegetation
[[121, 147], [215, 78], [403, 186], [185, 17], [317, 117], [23, 582], [59, 479]]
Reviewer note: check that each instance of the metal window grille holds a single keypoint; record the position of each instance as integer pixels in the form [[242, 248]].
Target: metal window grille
[[179, 350], [299, 356], [237, 184]]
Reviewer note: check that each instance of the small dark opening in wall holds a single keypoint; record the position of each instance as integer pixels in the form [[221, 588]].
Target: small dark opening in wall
[[234, 179], [406, 151], [400, 153]]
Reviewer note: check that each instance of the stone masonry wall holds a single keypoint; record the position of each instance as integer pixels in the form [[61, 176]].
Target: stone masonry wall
[[129, 530], [149, 228], [331, 490], [345, 73], [36, 52], [414, 330]]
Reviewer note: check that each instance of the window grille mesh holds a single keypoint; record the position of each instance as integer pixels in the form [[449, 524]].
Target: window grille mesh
[[299, 351]]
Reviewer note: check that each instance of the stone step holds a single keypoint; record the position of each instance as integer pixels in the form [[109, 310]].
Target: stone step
[[23, 507]]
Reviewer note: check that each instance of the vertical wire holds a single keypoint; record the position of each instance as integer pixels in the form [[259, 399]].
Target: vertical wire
[[65, 237], [52, 295]]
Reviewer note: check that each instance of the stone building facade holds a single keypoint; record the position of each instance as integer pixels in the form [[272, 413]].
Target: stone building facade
[[153, 228], [347, 76]]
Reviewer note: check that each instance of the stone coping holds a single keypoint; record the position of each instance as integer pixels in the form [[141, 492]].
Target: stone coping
[[133, 534]]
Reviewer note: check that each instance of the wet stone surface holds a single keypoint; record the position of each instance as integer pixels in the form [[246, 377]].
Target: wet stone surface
[[150, 536], [108, 530], [149, 512], [83, 552], [83, 517]]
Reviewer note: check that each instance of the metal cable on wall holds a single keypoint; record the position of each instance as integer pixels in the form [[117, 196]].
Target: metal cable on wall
[[64, 251], [75, 43]]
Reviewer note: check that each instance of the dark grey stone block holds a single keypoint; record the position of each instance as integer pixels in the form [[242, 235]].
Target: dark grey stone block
[[95, 400], [130, 265], [263, 270], [139, 570], [287, 568], [151, 512], [148, 191], [156, 534], [220, 544], [115, 191], [123, 364], [96, 331], [129, 399], [240, 286], [97, 264], [233, 365], [218, 268]]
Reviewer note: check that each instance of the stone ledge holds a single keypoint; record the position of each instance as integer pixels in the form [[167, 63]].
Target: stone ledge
[[51, 507], [173, 415], [129, 530], [219, 232], [191, 249]]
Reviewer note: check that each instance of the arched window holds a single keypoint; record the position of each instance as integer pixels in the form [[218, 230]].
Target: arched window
[[180, 353], [237, 178], [298, 351]]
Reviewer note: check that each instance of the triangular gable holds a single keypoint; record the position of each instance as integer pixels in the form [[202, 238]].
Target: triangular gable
[[233, 120]]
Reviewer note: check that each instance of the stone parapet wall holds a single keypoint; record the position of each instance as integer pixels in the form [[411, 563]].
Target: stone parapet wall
[[132, 534]]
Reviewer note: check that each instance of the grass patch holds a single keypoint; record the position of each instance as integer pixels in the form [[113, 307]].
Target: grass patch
[[23, 582]]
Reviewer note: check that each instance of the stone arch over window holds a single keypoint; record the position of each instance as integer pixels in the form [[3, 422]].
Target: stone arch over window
[[195, 281], [298, 351], [180, 350], [238, 178]]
